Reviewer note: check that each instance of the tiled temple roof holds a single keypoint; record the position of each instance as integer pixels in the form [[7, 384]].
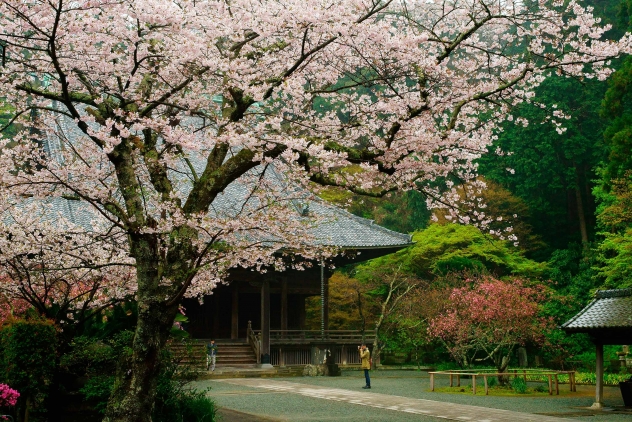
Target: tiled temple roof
[[611, 309], [346, 230], [339, 227]]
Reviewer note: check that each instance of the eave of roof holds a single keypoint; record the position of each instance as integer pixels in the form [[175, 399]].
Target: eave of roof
[[609, 310]]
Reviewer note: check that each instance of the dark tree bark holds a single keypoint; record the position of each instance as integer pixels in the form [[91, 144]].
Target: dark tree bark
[[581, 215]]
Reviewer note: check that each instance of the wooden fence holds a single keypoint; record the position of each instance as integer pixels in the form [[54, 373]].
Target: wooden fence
[[527, 374]]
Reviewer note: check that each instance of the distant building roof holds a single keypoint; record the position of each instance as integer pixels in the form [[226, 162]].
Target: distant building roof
[[609, 314]]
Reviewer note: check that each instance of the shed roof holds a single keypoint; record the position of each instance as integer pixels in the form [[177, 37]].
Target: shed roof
[[610, 311]]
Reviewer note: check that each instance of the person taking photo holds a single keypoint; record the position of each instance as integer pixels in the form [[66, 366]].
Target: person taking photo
[[365, 359]]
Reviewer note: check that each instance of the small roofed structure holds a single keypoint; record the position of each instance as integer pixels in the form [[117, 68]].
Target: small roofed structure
[[608, 321]]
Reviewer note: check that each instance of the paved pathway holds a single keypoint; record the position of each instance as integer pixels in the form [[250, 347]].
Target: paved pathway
[[443, 410]]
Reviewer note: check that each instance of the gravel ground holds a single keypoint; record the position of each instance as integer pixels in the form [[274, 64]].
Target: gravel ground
[[251, 404]]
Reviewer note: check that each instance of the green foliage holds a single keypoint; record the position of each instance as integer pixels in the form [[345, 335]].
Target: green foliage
[[441, 249], [540, 388], [616, 259], [27, 360], [175, 400], [614, 253], [97, 360], [89, 356], [573, 274], [404, 212], [551, 169], [608, 379], [492, 382], [97, 390], [7, 112], [109, 322], [618, 135], [519, 385]]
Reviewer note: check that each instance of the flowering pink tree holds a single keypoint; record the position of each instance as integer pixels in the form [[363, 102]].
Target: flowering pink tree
[[486, 320], [189, 129], [59, 272], [8, 396]]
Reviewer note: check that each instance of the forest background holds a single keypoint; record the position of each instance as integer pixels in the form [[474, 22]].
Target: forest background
[[564, 190]]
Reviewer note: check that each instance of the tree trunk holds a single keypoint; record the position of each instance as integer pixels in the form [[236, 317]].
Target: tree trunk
[[361, 313], [581, 216], [501, 366], [376, 352], [134, 392]]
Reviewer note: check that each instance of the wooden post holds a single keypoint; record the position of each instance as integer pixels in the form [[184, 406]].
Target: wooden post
[[474, 384], [324, 301], [265, 322], [524, 372], [598, 404], [486, 388], [300, 303], [234, 318], [431, 381], [215, 333], [283, 307], [550, 385]]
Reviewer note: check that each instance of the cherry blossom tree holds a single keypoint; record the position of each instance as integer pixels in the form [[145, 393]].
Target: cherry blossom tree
[[486, 320], [192, 129], [65, 273]]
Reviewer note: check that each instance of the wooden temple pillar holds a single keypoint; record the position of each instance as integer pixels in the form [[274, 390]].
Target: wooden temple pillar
[[324, 300], [598, 404], [326, 304], [284, 309], [216, 315], [265, 323], [300, 303], [234, 317]]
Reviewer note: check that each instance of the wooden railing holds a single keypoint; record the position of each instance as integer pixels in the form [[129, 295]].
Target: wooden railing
[[526, 374], [292, 355], [294, 347], [254, 339]]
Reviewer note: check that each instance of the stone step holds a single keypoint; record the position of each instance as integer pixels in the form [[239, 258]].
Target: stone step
[[230, 354]]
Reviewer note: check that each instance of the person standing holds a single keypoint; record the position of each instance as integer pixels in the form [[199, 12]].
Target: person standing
[[211, 355], [365, 359]]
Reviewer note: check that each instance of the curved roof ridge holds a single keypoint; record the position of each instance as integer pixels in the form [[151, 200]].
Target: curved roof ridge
[[362, 220], [603, 294]]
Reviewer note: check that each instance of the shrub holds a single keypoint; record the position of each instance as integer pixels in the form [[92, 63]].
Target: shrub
[[98, 390], [540, 389], [8, 396], [175, 400], [492, 382], [27, 361], [519, 385]]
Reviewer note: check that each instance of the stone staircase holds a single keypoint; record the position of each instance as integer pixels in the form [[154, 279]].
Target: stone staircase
[[235, 355], [230, 354]]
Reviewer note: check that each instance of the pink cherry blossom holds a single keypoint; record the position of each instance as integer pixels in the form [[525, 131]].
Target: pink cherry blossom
[[167, 142]]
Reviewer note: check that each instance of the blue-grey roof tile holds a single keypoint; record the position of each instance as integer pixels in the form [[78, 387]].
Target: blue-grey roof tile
[[339, 228], [610, 309]]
